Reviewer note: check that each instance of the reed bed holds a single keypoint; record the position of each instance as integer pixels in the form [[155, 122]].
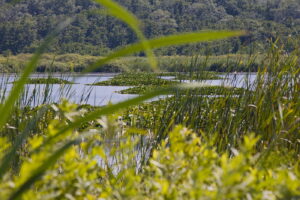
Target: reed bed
[[77, 63]]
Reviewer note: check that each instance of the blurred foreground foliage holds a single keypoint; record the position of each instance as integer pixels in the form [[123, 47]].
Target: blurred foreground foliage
[[182, 167]]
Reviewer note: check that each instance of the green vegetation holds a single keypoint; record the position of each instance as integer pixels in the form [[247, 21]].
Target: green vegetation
[[48, 81], [200, 75], [228, 147], [205, 90], [78, 63], [54, 63], [139, 89], [145, 82], [188, 146], [136, 79]]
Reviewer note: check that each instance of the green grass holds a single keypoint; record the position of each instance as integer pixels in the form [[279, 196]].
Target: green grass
[[78, 63], [201, 75], [147, 81], [136, 79], [48, 81], [139, 89], [207, 90]]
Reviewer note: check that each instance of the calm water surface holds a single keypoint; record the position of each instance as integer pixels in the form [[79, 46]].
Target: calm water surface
[[82, 93]]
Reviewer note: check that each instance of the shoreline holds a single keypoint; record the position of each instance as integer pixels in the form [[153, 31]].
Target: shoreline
[[76, 63]]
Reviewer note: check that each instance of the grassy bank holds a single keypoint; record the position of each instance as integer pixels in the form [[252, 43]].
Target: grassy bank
[[77, 63]]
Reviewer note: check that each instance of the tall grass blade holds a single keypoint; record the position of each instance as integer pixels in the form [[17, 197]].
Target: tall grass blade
[[165, 42], [123, 14], [6, 108], [8, 158], [112, 109]]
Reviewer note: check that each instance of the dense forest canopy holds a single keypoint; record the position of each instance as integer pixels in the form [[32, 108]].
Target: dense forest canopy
[[24, 25]]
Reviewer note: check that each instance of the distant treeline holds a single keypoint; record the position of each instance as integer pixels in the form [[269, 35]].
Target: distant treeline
[[25, 24]]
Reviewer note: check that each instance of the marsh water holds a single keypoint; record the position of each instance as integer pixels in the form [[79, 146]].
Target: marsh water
[[83, 93]]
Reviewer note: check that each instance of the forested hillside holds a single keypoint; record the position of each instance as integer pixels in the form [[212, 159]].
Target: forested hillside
[[25, 24]]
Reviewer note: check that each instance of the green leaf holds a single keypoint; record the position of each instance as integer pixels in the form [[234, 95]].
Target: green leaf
[[41, 170]]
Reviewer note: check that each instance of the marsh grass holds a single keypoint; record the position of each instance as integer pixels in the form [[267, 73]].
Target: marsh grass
[[77, 63], [207, 90], [135, 79], [48, 80], [127, 143], [56, 142], [232, 149], [226, 119]]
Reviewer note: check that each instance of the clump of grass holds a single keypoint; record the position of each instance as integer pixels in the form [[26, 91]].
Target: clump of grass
[[138, 90], [207, 90], [199, 76], [48, 81], [146, 81], [203, 75], [135, 79]]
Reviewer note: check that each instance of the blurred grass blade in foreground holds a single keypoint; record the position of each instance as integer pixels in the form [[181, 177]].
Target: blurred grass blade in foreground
[[9, 157], [123, 14], [76, 124], [113, 109], [6, 108], [165, 41]]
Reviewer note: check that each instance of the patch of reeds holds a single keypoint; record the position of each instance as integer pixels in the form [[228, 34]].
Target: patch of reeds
[[48, 80], [135, 79]]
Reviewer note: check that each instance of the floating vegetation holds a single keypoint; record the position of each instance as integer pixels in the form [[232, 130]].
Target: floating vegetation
[[48, 81], [203, 75], [206, 90], [136, 79], [154, 79], [138, 89]]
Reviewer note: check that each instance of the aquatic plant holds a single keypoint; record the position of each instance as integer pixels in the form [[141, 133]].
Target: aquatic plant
[[136, 79], [48, 81], [203, 91]]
